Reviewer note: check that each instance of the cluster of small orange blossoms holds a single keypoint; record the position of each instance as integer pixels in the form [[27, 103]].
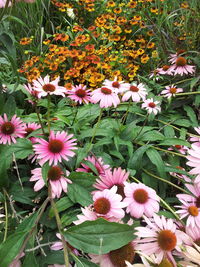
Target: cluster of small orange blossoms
[[26, 40], [117, 42]]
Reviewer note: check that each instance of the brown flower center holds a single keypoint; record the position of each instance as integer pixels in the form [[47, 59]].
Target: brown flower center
[[181, 61], [198, 202], [165, 67], [152, 105], [120, 255], [28, 131], [141, 196], [172, 90], [178, 146], [7, 128], [106, 91], [102, 205], [49, 87], [133, 88], [116, 84], [165, 263], [54, 173], [55, 146], [193, 210], [81, 93], [167, 240]]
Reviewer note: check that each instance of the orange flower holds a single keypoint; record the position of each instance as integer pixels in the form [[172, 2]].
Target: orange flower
[[26, 40]]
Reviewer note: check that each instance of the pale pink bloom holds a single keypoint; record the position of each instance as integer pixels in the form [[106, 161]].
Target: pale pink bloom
[[192, 254], [140, 199], [196, 139], [116, 177], [180, 175], [159, 237], [98, 164], [191, 211], [56, 178], [155, 75], [117, 257], [3, 3], [181, 149], [173, 57], [194, 161], [78, 93], [106, 96], [29, 128], [164, 70], [59, 245], [181, 67], [171, 91], [194, 235], [151, 106], [59, 146], [10, 130], [116, 86], [33, 93], [108, 203], [194, 197], [136, 92], [46, 87]]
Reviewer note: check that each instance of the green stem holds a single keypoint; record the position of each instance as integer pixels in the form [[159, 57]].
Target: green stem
[[188, 93], [48, 113], [59, 224], [6, 216], [126, 114], [141, 127], [165, 181], [39, 119]]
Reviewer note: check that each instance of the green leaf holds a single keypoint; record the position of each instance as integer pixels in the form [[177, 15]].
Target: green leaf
[[79, 194], [156, 159], [53, 257], [191, 114], [174, 141], [22, 149], [45, 170], [183, 122], [82, 262], [82, 153], [62, 204], [30, 260], [11, 247], [70, 216], [135, 162], [99, 236], [152, 136], [10, 106]]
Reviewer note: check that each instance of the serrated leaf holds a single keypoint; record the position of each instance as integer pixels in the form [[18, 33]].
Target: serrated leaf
[[22, 149], [79, 194], [135, 161], [99, 236], [183, 122], [174, 141], [152, 136], [191, 114], [156, 159]]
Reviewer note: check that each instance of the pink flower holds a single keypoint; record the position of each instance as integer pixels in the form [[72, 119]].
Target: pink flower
[[116, 177], [181, 67], [106, 96], [196, 139], [88, 215], [140, 199], [171, 91], [159, 237], [59, 245], [56, 179], [194, 198], [136, 92], [117, 257], [45, 87], [193, 234], [116, 86], [173, 57], [164, 70], [151, 106], [98, 164], [10, 130], [191, 211], [194, 161], [182, 149], [58, 147], [107, 203], [3, 3], [79, 94], [29, 128]]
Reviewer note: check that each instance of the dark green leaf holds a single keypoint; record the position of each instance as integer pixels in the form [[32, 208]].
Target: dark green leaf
[[174, 141], [62, 204]]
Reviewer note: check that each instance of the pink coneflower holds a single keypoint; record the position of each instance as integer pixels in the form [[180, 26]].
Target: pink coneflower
[[136, 92], [46, 87], [155, 75], [171, 91], [181, 67], [106, 96], [116, 258], [164, 70], [98, 164], [151, 106], [58, 147], [116, 86], [194, 161], [3, 3], [10, 130], [194, 198], [58, 245], [107, 203], [191, 211], [29, 128], [79, 94], [56, 180], [196, 139], [32, 92], [140, 199], [159, 237], [116, 177], [181, 149], [173, 57]]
